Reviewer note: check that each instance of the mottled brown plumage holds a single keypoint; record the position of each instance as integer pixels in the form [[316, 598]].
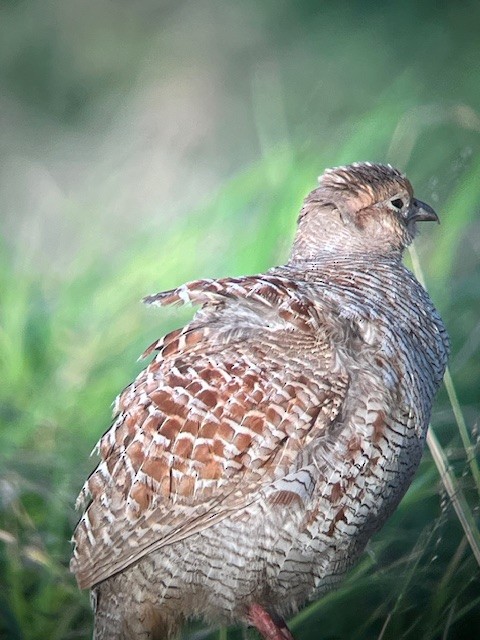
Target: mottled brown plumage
[[251, 461]]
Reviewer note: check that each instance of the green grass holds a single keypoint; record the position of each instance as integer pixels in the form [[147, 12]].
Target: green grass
[[262, 97]]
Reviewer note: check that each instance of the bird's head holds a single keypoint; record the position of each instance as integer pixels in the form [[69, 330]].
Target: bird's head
[[362, 207]]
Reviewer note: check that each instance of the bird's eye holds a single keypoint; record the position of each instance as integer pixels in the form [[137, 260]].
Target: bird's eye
[[397, 203]]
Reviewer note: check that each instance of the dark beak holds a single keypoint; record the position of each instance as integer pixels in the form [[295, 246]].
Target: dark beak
[[421, 212]]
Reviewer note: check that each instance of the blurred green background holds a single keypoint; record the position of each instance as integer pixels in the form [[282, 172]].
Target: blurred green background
[[146, 143]]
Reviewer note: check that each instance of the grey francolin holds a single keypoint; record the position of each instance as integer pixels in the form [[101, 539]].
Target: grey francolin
[[251, 461]]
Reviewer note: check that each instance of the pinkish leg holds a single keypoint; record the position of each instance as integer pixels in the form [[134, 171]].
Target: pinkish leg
[[269, 628]]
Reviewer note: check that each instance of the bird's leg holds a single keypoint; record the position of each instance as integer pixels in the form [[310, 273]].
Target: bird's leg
[[268, 627]]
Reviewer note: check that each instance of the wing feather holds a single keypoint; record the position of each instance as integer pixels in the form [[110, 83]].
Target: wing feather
[[220, 413]]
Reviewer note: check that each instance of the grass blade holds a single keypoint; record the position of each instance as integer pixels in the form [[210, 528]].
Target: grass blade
[[456, 495]]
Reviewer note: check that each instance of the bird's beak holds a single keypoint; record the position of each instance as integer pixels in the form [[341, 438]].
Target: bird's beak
[[421, 212]]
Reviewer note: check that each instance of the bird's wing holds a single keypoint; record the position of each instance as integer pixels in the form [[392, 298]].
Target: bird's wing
[[220, 413]]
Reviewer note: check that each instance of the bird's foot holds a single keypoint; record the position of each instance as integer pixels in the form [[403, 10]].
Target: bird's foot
[[269, 627]]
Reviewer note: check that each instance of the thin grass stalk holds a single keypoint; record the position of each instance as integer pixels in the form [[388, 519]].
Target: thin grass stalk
[[455, 494], [447, 476], [408, 578], [462, 427], [448, 624], [385, 625], [453, 566], [452, 395]]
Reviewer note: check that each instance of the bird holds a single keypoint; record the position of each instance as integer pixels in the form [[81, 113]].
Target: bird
[[250, 462]]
